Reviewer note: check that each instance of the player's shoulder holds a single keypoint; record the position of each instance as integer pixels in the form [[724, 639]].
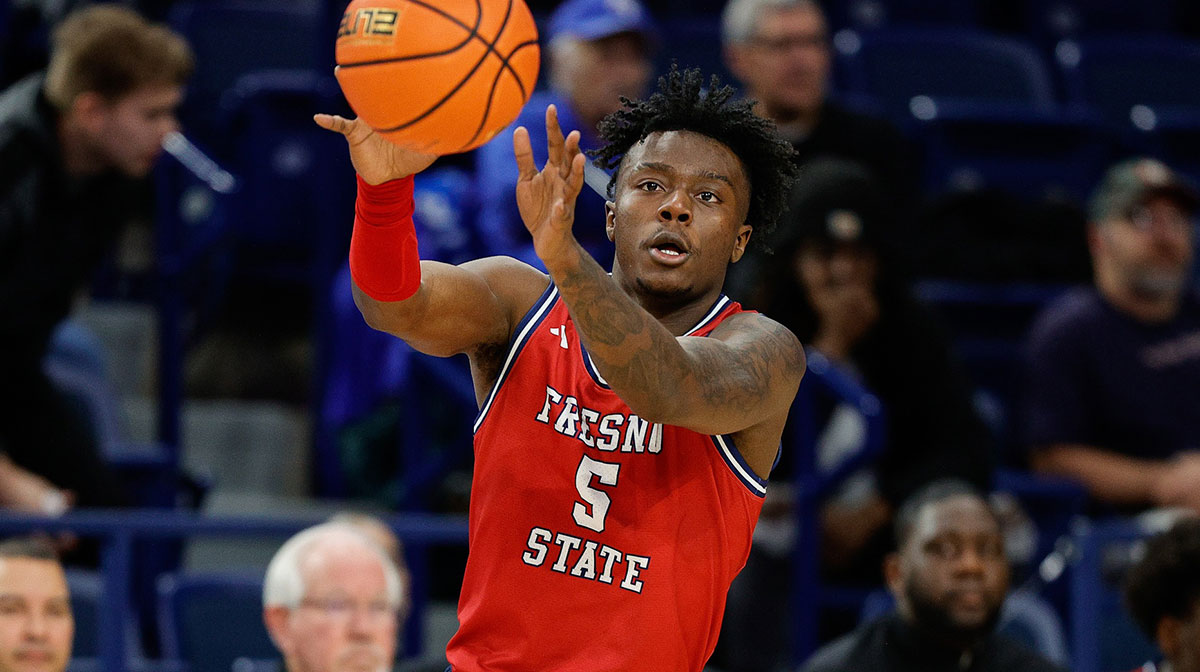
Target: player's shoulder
[[765, 336], [754, 325]]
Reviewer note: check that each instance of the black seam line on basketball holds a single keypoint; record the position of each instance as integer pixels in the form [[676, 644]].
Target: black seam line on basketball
[[472, 33], [491, 50], [487, 110]]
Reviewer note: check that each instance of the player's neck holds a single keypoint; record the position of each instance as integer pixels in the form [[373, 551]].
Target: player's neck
[[678, 315]]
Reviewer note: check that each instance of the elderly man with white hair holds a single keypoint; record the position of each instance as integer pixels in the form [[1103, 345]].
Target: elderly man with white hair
[[331, 601]]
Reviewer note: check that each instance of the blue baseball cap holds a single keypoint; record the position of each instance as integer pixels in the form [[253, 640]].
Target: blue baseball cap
[[594, 19]]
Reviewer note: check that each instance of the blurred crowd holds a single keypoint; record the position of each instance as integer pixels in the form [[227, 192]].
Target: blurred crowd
[[1041, 336]]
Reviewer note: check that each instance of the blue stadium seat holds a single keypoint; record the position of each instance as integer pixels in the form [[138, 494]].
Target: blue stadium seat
[[1113, 75], [366, 369], [1171, 134], [896, 65], [233, 37], [1052, 20], [868, 14], [290, 219], [87, 605], [209, 621], [1023, 150], [1103, 636], [693, 42]]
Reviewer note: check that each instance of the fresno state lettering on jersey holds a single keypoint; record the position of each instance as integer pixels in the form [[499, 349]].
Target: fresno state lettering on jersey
[[587, 559], [607, 432]]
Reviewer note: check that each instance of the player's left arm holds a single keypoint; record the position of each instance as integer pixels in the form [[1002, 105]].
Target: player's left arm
[[744, 373]]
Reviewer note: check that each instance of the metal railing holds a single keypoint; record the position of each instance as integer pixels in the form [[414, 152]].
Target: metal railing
[[808, 595], [117, 531]]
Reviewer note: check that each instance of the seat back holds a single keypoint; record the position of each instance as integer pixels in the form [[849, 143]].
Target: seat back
[[233, 37], [1052, 20], [868, 14], [297, 184], [896, 65], [209, 621], [1113, 75], [1028, 153]]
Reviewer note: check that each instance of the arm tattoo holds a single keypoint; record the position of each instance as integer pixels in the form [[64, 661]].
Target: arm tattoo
[[645, 362]]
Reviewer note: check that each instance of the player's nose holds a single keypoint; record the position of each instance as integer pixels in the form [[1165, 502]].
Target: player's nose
[[676, 208]]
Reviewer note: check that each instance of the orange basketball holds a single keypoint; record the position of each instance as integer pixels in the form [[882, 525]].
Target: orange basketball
[[439, 76]]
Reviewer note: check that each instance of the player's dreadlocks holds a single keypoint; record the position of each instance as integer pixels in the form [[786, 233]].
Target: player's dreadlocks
[[683, 104]]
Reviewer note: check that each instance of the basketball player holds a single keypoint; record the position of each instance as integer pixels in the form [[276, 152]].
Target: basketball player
[[628, 422]]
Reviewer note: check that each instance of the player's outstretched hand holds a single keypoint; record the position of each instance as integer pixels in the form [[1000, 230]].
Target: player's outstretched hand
[[546, 199], [374, 158]]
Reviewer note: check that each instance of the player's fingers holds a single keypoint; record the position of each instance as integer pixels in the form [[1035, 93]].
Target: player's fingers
[[570, 151], [523, 151], [575, 179], [554, 138], [332, 122]]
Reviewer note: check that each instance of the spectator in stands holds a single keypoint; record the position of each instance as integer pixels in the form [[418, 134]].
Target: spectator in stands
[[76, 143], [780, 51], [331, 601], [599, 50], [1113, 370], [834, 283], [36, 623], [949, 577], [383, 537], [1162, 592]]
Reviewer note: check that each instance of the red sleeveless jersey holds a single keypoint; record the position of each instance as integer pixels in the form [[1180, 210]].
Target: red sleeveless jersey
[[598, 541]]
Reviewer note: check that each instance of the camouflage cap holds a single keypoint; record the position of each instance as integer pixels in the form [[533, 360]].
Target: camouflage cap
[[1130, 183]]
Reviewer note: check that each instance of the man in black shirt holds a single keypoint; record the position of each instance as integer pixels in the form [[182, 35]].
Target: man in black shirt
[[76, 143], [1112, 371], [949, 578]]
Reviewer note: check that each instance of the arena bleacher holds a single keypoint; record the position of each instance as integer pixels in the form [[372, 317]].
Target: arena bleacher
[[1031, 100]]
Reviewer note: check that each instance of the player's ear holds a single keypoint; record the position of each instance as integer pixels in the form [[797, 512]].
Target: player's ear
[[610, 219], [740, 243]]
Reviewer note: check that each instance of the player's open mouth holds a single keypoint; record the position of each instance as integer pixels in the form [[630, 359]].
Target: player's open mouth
[[668, 254], [668, 248]]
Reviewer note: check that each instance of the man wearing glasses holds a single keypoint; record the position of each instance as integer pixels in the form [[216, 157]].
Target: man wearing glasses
[[1113, 385], [331, 601], [780, 51]]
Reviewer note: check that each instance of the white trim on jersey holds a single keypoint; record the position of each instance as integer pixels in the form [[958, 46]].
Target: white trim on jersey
[[532, 319], [737, 463], [722, 301]]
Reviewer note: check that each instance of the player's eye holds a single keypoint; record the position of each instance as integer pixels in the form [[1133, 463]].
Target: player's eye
[[650, 186], [708, 197]]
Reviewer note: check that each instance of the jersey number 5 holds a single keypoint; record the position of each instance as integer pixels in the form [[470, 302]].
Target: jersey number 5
[[598, 500]]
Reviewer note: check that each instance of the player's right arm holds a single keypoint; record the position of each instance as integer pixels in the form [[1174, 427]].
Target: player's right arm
[[437, 308]]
